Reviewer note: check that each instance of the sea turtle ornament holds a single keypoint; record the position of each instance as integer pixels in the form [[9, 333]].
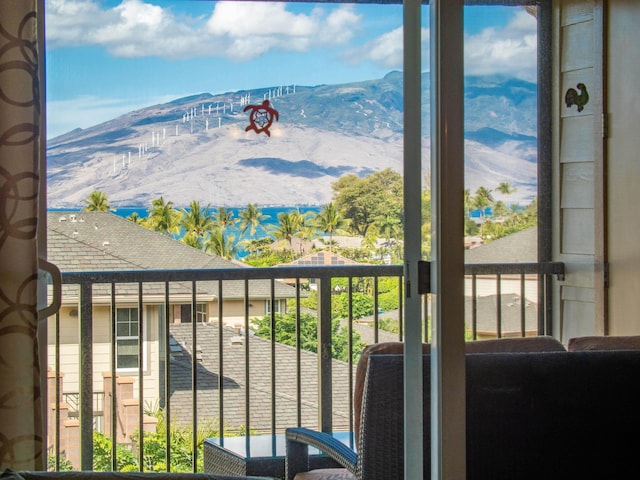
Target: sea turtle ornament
[[261, 117]]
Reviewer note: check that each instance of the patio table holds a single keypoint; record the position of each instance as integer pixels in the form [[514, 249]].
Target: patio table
[[261, 455]]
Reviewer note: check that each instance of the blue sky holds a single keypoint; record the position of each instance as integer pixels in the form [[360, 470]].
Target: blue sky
[[106, 58]]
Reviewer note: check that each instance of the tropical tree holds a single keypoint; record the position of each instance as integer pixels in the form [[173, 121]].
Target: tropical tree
[[506, 188], [252, 219], [135, 218], [499, 209], [97, 201], [164, 217], [362, 200], [289, 224], [482, 199], [223, 218], [286, 333], [197, 223], [220, 244], [330, 220]]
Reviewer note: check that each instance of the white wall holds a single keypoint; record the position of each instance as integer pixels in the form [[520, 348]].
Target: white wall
[[623, 145]]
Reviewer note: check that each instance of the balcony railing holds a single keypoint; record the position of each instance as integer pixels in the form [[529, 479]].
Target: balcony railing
[[210, 368]]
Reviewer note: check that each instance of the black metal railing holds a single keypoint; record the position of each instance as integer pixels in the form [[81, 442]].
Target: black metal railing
[[246, 383]]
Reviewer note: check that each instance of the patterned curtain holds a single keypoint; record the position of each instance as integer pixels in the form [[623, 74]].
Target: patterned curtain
[[21, 434]]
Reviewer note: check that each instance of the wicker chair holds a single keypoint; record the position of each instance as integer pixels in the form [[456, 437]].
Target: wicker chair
[[298, 439], [529, 416]]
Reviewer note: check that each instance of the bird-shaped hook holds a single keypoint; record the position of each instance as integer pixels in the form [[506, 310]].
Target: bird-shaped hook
[[573, 98]]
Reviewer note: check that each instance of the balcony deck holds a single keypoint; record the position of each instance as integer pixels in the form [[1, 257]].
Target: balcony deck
[[241, 382]]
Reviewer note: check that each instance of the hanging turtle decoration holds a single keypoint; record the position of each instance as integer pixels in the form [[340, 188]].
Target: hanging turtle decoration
[[261, 117]]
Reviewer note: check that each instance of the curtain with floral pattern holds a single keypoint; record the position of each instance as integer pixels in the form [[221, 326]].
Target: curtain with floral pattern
[[21, 434]]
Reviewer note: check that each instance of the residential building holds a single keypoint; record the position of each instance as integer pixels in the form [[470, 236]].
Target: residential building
[[104, 242]]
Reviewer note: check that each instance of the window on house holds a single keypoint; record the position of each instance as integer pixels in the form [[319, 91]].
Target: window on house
[[182, 313], [127, 339], [279, 306], [201, 312]]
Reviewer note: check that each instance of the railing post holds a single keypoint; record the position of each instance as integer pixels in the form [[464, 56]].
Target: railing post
[[325, 420], [86, 377]]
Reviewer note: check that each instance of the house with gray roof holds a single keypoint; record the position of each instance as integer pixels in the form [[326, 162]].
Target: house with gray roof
[[105, 242], [518, 307]]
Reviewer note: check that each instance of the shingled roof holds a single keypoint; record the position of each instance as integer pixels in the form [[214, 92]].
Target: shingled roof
[[105, 242], [515, 248], [235, 383]]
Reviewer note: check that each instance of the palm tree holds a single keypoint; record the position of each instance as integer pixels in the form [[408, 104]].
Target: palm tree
[[135, 218], [97, 201], [221, 245], [252, 218], [389, 226], [289, 224], [505, 188], [223, 218], [329, 220], [163, 217], [481, 201], [197, 222]]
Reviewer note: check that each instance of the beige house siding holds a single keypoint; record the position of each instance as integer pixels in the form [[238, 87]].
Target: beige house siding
[[69, 350], [69, 332]]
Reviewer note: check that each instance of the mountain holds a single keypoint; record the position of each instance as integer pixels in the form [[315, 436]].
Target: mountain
[[196, 147]]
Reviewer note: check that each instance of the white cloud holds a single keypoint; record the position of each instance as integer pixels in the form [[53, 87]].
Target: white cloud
[[386, 50], [511, 50], [237, 30]]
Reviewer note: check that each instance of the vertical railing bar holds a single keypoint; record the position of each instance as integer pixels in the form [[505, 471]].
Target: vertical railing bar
[[272, 334], [86, 376], [426, 331], [376, 319], [499, 305], [350, 349], [547, 326], [325, 386], [247, 407], [58, 393], [114, 383], [167, 377], [298, 358], [141, 332], [400, 310], [474, 306], [194, 376], [221, 364], [523, 305]]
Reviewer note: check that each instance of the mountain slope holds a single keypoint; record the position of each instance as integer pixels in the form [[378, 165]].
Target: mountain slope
[[196, 148]]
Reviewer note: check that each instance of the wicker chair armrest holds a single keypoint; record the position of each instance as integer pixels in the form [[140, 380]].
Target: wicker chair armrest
[[300, 439]]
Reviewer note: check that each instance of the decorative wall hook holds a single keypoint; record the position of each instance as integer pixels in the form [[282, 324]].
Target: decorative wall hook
[[573, 98], [261, 117]]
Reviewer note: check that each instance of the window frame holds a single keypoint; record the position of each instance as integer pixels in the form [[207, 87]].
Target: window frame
[[136, 337]]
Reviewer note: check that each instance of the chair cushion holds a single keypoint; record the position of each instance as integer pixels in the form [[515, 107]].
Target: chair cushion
[[518, 344], [629, 342], [11, 474], [326, 474]]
